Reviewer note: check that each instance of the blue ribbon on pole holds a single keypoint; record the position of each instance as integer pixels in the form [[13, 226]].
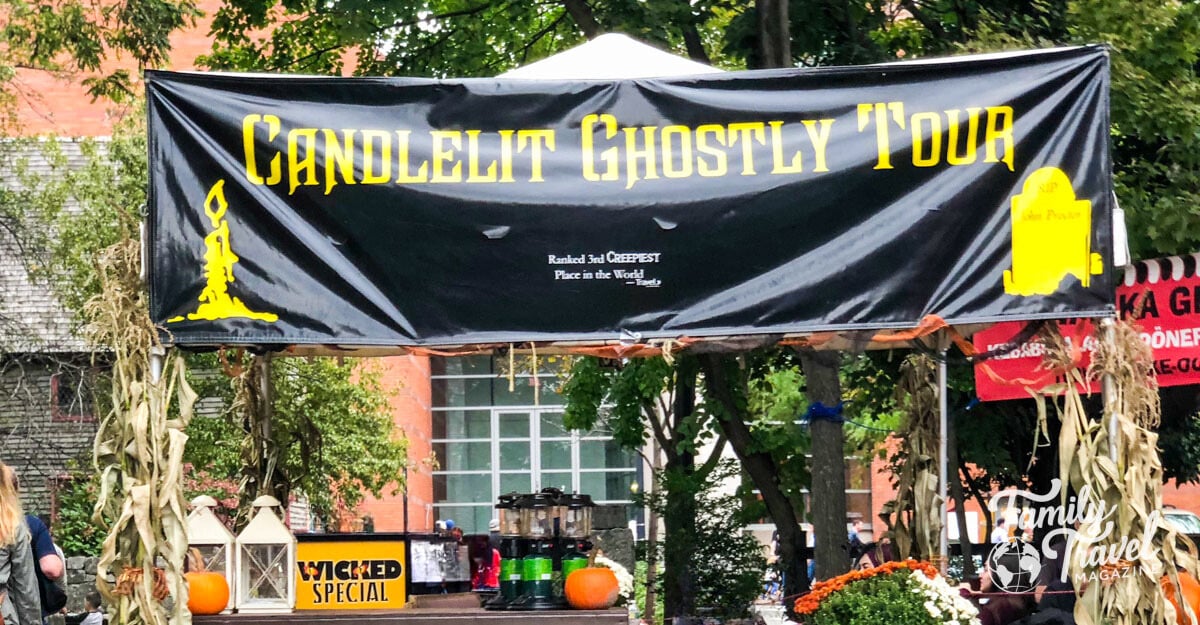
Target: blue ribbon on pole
[[820, 412]]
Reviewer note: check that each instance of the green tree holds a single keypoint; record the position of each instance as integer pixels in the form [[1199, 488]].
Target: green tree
[[648, 399], [330, 423], [72, 38], [98, 202], [447, 37]]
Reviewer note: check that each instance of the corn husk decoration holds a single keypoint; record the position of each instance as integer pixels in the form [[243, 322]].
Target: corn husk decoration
[[1119, 590], [138, 453], [915, 521]]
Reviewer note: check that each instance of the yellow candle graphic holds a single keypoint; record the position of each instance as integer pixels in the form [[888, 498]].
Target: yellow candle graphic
[[219, 259]]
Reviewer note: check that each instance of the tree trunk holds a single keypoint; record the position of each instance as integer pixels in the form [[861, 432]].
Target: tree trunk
[[695, 45], [581, 12], [828, 465], [774, 37], [652, 535], [956, 493], [762, 470], [978, 495], [679, 519]]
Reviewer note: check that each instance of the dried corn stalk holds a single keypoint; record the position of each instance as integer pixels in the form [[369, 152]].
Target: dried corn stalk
[[260, 452], [1117, 585], [916, 522], [138, 453]]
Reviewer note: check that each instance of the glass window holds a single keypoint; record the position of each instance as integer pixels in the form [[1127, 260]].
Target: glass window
[[463, 488], [514, 455], [515, 482], [607, 454], [472, 519], [462, 424], [556, 454], [456, 456], [514, 425], [455, 392], [461, 365], [523, 392], [557, 479], [476, 417], [606, 485], [552, 425], [859, 504], [858, 474]]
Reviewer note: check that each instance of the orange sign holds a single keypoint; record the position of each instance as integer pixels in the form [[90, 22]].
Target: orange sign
[[350, 575]]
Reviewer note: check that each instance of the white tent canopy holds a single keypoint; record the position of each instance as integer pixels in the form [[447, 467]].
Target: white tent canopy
[[610, 57]]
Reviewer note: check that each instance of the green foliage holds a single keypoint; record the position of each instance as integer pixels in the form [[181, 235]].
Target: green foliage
[[622, 395], [73, 528], [775, 403], [64, 218], [639, 594], [71, 37], [728, 563], [75, 499], [889, 598], [331, 420], [1155, 101], [442, 38], [867, 383]]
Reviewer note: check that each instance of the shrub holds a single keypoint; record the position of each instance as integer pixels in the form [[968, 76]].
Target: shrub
[[909, 592], [73, 529]]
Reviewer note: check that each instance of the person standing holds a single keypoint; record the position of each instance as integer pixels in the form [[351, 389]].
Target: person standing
[[1000, 533], [19, 603], [50, 564], [857, 546]]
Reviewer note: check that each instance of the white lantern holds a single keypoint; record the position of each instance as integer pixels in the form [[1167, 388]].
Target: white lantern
[[266, 562], [208, 535]]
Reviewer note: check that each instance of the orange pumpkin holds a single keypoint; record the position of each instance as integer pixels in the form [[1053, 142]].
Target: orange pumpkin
[[1191, 594], [592, 588], [208, 591]]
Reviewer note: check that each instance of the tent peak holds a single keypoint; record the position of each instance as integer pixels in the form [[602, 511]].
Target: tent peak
[[611, 56]]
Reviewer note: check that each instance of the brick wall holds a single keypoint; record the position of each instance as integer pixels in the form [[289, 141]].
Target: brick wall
[[406, 378], [52, 105]]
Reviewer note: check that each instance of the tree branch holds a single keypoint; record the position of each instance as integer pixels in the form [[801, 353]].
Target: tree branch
[[691, 38], [656, 427], [711, 463], [581, 12], [933, 26], [541, 33]]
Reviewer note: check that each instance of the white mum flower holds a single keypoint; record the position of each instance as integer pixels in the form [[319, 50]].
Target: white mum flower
[[624, 579]]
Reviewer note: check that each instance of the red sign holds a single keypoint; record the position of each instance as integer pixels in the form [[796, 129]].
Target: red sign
[[1163, 295]]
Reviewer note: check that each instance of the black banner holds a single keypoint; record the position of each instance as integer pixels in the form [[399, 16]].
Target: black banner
[[378, 212]]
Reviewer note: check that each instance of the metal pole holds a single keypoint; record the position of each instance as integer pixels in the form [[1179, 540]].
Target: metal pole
[[943, 461], [1108, 387], [405, 498]]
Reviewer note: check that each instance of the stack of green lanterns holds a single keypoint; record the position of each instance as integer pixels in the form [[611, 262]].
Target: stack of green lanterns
[[544, 536]]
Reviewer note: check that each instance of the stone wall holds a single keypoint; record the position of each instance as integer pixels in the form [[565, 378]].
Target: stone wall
[[81, 579]]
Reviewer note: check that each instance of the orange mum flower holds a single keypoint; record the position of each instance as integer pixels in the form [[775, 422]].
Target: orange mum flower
[[808, 603]]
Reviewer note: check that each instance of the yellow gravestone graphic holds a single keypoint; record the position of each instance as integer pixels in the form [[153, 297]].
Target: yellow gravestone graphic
[[1051, 236], [219, 259]]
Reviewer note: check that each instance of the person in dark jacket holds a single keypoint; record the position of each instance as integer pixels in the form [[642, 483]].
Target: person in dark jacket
[[19, 603]]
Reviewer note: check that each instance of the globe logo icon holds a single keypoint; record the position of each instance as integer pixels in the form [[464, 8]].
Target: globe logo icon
[[1014, 566]]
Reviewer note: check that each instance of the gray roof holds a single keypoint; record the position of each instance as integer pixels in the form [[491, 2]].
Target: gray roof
[[32, 319]]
